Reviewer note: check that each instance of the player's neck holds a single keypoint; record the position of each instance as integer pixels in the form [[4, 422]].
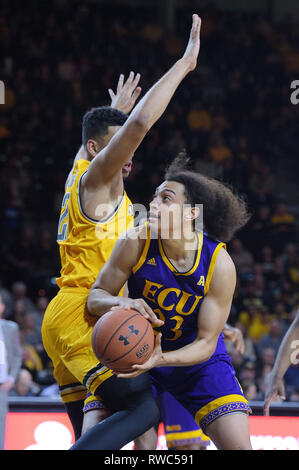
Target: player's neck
[[182, 248]]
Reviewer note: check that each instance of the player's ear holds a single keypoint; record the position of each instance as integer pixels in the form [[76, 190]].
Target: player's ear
[[191, 213], [92, 147]]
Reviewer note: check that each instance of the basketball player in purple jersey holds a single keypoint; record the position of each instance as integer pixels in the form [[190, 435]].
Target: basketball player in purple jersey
[[186, 278]]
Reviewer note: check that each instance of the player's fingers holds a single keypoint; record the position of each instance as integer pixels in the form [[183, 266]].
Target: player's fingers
[[129, 79], [111, 93], [196, 25], [129, 375], [240, 345], [136, 80], [268, 403], [136, 93], [120, 83], [118, 307], [152, 317], [266, 408], [139, 307], [158, 338]]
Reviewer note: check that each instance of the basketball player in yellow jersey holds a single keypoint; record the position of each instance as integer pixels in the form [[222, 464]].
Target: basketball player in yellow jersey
[[95, 211]]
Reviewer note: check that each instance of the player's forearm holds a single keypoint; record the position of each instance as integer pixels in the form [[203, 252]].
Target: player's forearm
[[100, 302], [194, 353], [155, 101], [286, 350]]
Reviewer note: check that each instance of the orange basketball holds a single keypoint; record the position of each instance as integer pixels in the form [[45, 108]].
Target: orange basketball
[[122, 338]]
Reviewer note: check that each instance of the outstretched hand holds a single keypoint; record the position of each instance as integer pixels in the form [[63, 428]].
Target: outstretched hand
[[155, 360], [193, 46], [274, 390], [126, 93]]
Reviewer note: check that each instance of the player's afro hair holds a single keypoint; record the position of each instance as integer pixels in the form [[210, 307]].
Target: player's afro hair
[[224, 212]]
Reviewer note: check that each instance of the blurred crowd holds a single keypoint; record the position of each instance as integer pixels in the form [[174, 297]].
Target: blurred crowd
[[233, 116]]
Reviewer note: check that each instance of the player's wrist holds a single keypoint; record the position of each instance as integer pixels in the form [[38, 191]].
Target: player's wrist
[[185, 64]]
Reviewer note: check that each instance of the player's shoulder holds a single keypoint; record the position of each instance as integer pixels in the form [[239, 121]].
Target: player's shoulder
[[130, 245], [135, 235], [224, 274]]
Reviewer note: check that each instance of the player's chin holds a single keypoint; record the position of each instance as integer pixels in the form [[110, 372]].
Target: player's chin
[[125, 173], [154, 225]]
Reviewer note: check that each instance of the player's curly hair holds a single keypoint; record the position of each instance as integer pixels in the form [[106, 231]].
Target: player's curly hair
[[97, 120], [224, 212]]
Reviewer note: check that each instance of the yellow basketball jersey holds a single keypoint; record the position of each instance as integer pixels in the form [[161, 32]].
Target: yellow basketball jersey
[[86, 244]]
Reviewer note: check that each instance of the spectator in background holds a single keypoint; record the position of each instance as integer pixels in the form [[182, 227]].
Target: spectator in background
[[31, 332], [266, 260], [10, 364], [272, 339], [46, 265], [249, 352], [259, 230], [20, 255], [19, 292], [242, 258], [277, 275], [283, 225], [265, 366], [251, 392], [218, 151], [257, 318], [24, 385], [293, 271], [41, 305], [264, 178]]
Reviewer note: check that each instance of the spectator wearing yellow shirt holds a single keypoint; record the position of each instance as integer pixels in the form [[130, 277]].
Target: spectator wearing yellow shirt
[[257, 318], [199, 120], [283, 225], [282, 220], [218, 151]]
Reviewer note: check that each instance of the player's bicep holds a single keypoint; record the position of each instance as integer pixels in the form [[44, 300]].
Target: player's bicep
[[119, 150], [216, 306], [118, 268], [112, 276]]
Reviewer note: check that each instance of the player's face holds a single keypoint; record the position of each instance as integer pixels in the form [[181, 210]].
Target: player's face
[[166, 214], [126, 169]]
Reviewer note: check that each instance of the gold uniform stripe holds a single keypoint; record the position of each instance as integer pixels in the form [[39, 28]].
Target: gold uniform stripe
[[219, 404], [175, 436], [196, 263], [212, 266]]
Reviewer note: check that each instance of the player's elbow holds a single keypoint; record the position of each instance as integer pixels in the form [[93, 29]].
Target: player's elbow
[[93, 304], [209, 348], [141, 123]]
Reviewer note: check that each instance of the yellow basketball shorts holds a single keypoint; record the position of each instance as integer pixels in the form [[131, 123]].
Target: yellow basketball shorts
[[66, 333]]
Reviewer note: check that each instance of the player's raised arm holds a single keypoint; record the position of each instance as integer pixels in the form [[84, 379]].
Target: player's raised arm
[[123, 144], [115, 273]]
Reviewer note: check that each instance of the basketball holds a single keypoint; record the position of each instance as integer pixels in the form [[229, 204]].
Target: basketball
[[122, 338]]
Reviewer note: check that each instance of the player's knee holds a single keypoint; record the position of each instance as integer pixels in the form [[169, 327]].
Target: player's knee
[[151, 412]]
